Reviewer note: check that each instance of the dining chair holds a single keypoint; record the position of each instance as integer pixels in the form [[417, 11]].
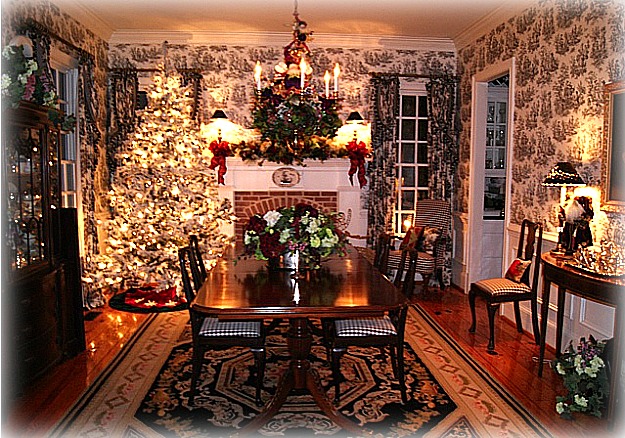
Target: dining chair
[[384, 331], [195, 244], [515, 285], [209, 332], [431, 226]]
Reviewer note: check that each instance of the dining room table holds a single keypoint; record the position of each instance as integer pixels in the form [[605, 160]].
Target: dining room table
[[343, 287]]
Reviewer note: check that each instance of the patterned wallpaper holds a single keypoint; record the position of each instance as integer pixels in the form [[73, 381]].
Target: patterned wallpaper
[[94, 172], [227, 70], [565, 50]]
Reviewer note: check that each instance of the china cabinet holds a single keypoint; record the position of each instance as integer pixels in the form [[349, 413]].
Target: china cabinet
[[41, 291]]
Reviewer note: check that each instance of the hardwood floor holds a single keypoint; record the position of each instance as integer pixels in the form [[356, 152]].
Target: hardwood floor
[[514, 366]]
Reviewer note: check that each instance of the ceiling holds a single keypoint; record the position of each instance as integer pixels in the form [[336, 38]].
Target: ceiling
[[434, 19]]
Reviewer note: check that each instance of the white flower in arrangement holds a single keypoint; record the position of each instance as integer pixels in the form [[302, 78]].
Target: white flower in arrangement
[[313, 225], [560, 369], [580, 401], [330, 240], [560, 407], [315, 241], [249, 237], [285, 235], [272, 217]]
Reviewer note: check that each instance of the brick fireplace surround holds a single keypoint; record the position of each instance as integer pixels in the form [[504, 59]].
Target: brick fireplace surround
[[325, 186]]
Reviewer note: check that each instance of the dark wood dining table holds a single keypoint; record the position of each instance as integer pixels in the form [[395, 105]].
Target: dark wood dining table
[[344, 287]]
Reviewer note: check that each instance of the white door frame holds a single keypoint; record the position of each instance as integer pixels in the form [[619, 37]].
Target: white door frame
[[479, 103]]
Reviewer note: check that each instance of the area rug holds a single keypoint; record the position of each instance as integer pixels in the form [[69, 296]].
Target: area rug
[[146, 394]]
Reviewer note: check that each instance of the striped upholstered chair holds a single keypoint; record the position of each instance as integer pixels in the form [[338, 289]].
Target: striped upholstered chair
[[432, 215], [209, 332], [515, 285]]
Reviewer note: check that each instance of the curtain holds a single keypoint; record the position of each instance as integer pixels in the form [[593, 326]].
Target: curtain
[[381, 172], [444, 134], [123, 85]]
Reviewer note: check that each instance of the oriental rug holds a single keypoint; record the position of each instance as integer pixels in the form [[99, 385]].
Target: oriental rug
[[145, 393]]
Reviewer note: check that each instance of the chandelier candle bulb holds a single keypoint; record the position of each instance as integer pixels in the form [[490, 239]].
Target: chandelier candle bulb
[[337, 72], [257, 72], [302, 72], [326, 79]]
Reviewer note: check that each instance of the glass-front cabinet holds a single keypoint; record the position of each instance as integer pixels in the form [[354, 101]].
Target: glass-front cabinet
[[41, 289], [495, 163]]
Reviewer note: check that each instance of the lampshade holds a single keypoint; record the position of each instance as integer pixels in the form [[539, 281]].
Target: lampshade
[[219, 114], [354, 117], [563, 174]]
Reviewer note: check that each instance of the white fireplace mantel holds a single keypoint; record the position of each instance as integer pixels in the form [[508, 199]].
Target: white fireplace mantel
[[327, 176]]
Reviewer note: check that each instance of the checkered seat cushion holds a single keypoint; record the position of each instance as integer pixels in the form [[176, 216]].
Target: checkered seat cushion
[[365, 327], [502, 286], [215, 328], [425, 261]]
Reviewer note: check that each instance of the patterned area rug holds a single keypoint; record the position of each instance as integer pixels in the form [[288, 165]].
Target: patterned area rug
[[145, 393]]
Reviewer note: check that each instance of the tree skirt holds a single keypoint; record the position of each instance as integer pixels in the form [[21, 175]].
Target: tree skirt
[[146, 394], [148, 299]]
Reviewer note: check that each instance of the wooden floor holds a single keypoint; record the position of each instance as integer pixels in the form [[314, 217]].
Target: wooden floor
[[514, 366]]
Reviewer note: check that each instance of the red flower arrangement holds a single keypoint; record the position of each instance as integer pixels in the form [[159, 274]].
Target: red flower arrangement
[[299, 228]]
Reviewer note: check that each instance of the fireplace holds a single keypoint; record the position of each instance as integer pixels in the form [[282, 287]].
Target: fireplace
[[325, 185]]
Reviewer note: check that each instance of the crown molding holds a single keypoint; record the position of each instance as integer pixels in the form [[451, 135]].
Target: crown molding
[[280, 39], [508, 10], [83, 15]]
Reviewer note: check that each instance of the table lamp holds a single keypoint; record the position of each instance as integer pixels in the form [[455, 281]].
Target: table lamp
[[562, 175]]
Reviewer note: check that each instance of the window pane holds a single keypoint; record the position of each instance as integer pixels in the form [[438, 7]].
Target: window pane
[[423, 176], [407, 176], [423, 106], [69, 176], [422, 153], [422, 194], [407, 199], [423, 130], [407, 152], [407, 129], [408, 106]]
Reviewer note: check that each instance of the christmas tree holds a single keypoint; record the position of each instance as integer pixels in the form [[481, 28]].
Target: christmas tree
[[162, 192]]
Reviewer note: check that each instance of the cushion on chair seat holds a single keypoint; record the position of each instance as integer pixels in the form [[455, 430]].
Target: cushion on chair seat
[[215, 327], [365, 327], [502, 286], [425, 261]]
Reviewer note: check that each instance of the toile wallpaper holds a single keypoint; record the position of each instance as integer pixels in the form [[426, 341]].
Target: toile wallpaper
[[228, 70], [565, 52]]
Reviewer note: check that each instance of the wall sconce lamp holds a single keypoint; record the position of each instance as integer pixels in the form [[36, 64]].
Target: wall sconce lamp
[[354, 118], [219, 115], [562, 175]]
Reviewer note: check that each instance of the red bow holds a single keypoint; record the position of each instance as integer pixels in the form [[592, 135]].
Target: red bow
[[220, 151], [357, 153]]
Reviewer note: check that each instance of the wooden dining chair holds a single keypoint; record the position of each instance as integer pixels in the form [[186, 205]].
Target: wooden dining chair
[[195, 245], [208, 332], [384, 331], [515, 285]]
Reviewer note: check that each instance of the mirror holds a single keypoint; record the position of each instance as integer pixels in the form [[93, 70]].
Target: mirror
[[613, 166]]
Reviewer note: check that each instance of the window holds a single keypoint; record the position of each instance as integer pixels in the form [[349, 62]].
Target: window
[[65, 76], [412, 155]]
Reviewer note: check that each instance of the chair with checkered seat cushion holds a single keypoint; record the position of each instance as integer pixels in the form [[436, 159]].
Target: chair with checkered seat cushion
[[208, 332], [515, 285], [383, 331]]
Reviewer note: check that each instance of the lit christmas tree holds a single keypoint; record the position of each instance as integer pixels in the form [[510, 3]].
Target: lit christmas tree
[[162, 192]]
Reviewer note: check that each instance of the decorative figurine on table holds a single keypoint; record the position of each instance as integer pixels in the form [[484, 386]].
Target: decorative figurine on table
[[578, 214]]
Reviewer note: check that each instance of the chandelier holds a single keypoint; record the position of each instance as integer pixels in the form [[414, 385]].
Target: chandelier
[[296, 122]]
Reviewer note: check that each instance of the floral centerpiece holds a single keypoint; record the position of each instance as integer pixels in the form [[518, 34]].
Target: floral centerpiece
[[300, 228], [585, 378]]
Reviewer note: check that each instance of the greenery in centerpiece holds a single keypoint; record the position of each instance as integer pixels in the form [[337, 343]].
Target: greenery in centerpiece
[[299, 228], [585, 378]]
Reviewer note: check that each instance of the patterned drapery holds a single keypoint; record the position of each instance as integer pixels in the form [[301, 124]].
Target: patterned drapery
[[382, 167], [123, 85], [443, 139]]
